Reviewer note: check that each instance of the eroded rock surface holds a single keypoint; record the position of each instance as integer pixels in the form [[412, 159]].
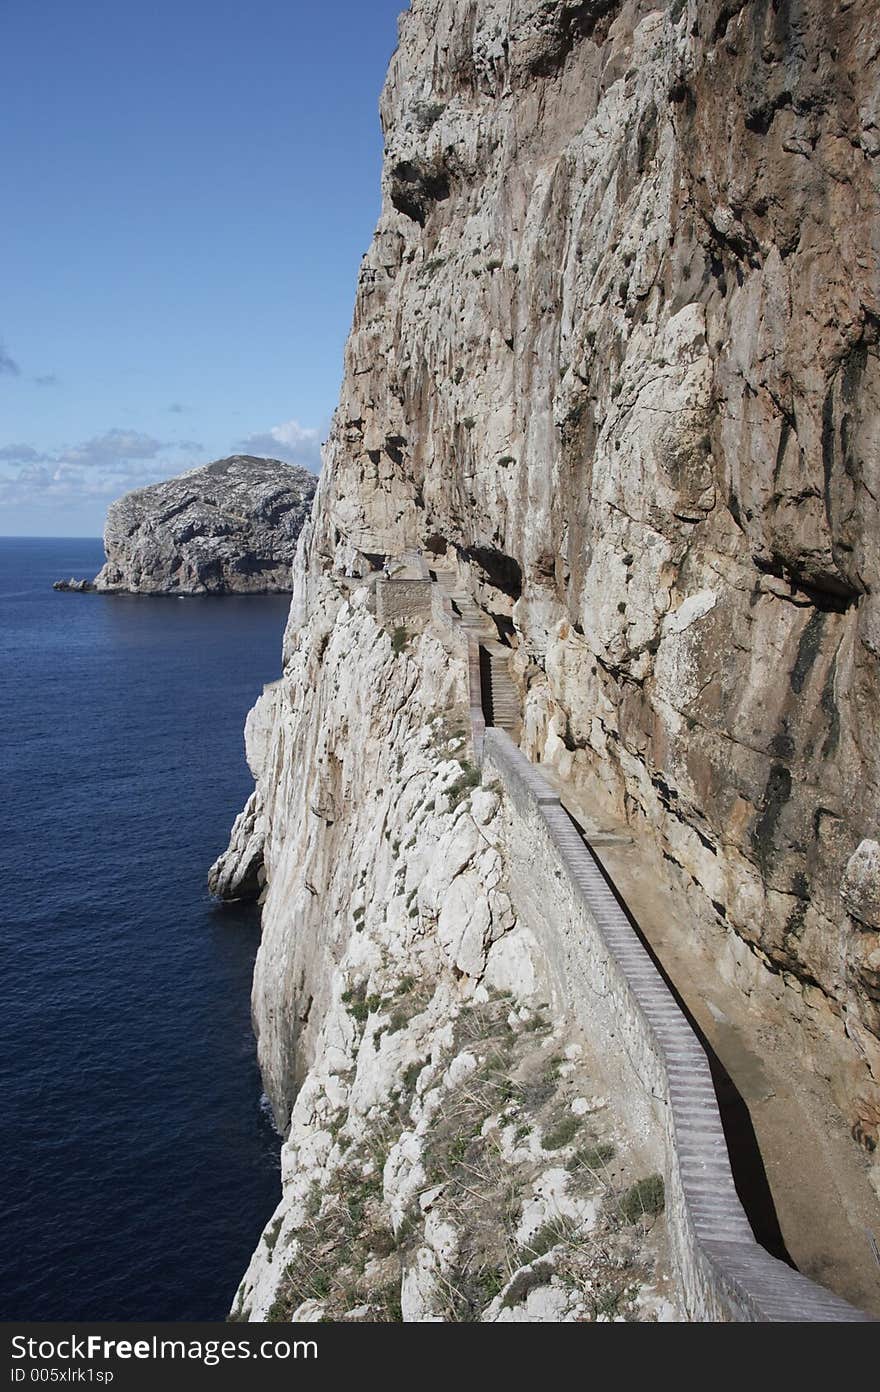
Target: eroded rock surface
[[615, 358], [229, 527], [450, 1150], [615, 348]]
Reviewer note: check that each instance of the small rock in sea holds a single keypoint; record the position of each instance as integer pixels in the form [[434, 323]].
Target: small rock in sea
[[79, 586]]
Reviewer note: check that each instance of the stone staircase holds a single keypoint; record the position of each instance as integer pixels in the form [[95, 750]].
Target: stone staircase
[[504, 706], [501, 701], [470, 616]]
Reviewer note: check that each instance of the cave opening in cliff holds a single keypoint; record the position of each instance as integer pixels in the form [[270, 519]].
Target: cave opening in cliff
[[500, 571]]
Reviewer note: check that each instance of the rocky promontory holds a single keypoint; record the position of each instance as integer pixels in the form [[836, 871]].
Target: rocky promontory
[[229, 527]]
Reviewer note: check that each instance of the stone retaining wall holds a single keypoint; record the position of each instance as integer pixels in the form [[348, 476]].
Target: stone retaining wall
[[660, 1070], [400, 600]]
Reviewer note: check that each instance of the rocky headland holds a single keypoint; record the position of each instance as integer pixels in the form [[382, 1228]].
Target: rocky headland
[[614, 363], [229, 527]]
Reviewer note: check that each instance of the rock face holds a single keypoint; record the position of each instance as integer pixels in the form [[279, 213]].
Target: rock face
[[449, 1153], [229, 527], [615, 347], [615, 356]]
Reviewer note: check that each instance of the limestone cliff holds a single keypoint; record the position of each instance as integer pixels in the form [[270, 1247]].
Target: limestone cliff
[[615, 347], [615, 359], [228, 527], [450, 1150]]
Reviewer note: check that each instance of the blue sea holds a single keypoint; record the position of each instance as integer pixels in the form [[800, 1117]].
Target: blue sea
[[139, 1165]]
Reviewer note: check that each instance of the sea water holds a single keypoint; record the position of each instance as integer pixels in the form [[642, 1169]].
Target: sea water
[[138, 1163]]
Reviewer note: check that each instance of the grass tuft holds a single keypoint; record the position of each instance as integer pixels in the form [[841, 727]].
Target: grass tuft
[[644, 1199], [562, 1133]]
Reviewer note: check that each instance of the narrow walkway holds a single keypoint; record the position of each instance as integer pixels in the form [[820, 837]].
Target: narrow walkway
[[500, 698], [805, 1191], [803, 1185]]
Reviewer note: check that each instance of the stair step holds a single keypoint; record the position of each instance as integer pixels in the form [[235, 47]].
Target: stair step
[[504, 697], [505, 700]]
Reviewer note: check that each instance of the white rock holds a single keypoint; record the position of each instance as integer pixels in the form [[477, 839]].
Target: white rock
[[442, 1237], [510, 965], [484, 806], [464, 923], [461, 1067], [309, 1312], [550, 1201], [419, 1299]]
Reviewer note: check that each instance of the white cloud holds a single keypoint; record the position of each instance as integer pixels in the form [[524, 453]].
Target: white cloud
[[290, 441], [112, 446], [36, 484], [22, 454], [100, 468], [117, 461]]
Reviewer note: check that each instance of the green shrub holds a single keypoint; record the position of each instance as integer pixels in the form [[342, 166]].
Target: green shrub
[[360, 1005], [468, 779], [591, 1157], [399, 639], [561, 1134], [549, 1235], [489, 1283], [411, 1074], [646, 1198]]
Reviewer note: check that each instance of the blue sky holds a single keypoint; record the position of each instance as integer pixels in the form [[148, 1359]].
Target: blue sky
[[190, 185]]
